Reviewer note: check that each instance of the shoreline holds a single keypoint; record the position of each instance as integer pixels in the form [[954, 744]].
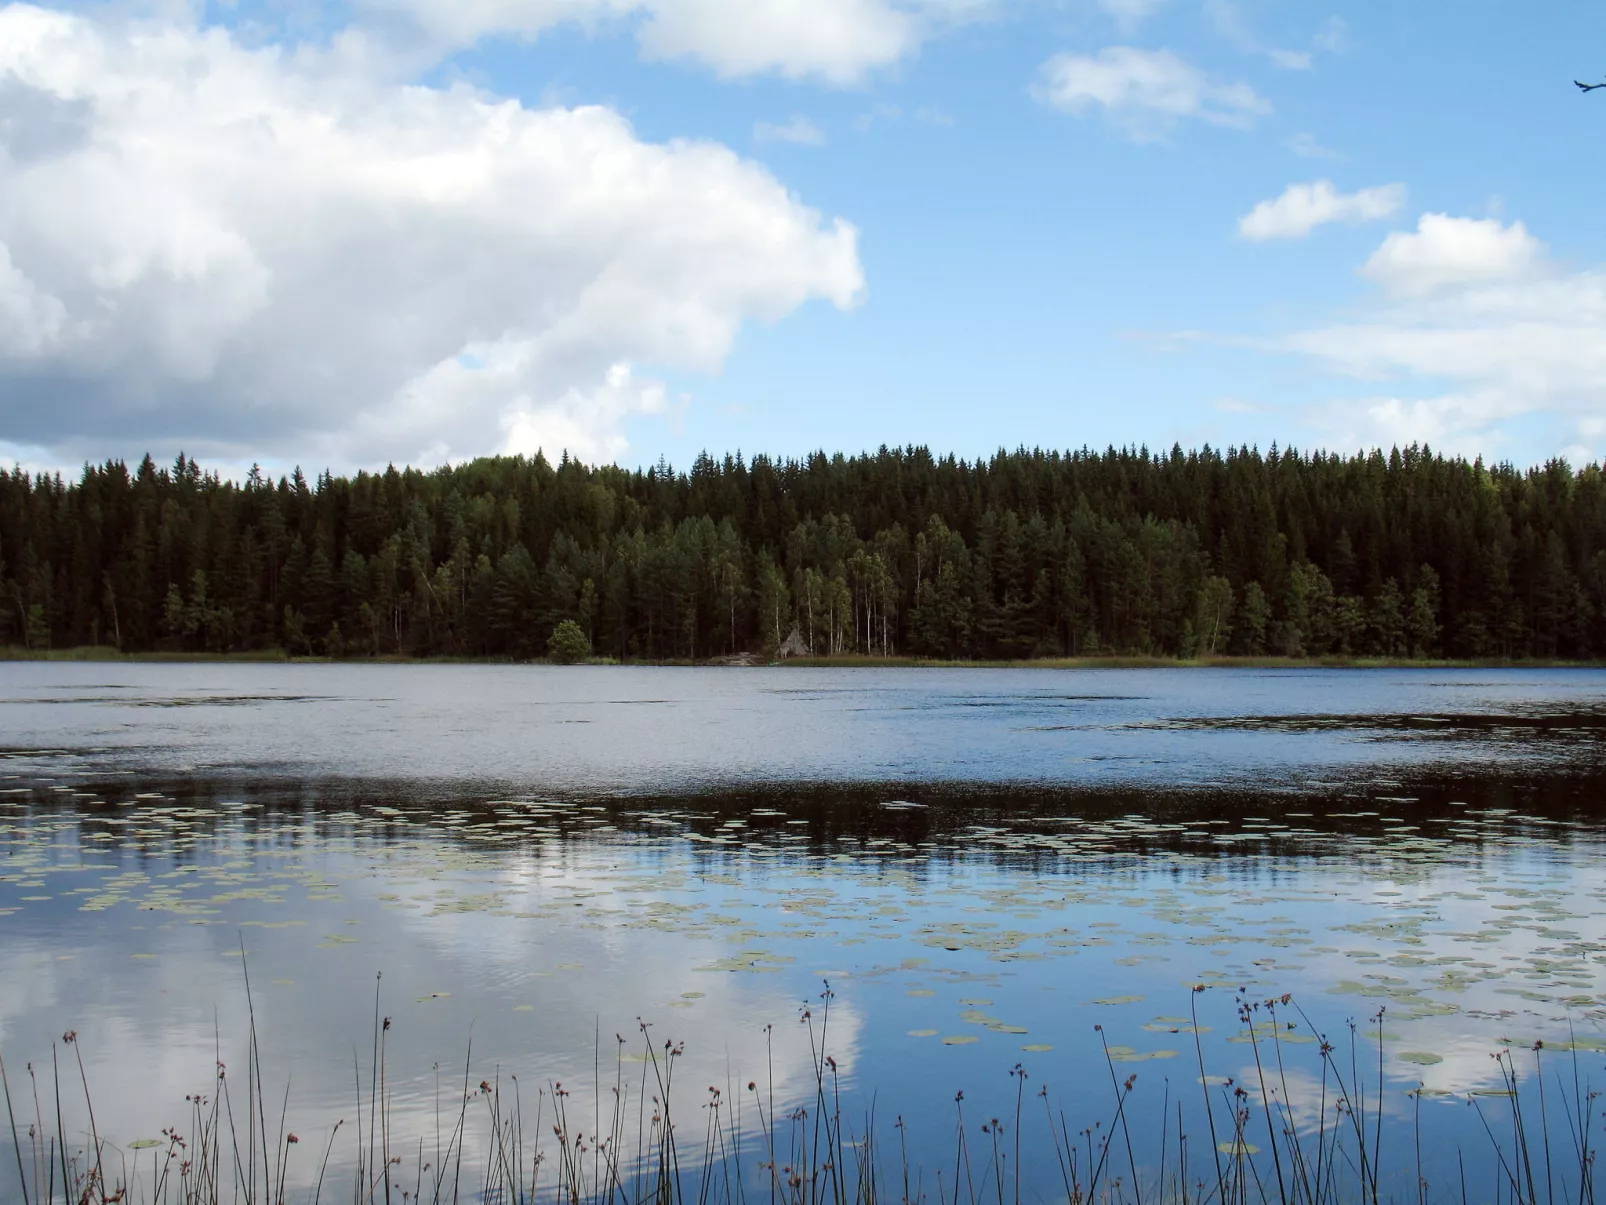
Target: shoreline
[[276, 656]]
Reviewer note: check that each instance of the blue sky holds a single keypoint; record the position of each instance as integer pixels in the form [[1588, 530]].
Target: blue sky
[[419, 230]]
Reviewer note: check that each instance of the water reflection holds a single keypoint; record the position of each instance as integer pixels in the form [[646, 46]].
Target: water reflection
[[965, 924], [955, 948], [650, 731]]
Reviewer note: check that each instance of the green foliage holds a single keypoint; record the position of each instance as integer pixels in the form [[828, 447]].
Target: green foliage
[[1253, 620], [1029, 553], [37, 631], [1422, 623], [1213, 616], [568, 644], [1388, 620]]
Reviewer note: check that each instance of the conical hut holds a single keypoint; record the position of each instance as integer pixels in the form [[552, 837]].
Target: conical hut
[[793, 646]]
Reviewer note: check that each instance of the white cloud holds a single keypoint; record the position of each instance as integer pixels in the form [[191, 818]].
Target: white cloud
[[1129, 14], [1306, 146], [1303, 207], [1453, 424], [450, 24], [1333, 37], [30, 322], [1145, 91], [1230, 22], [839, 41], [1448, 251], [252, 251], [799, 130], [588, 422], [883, 114], [1481, 335], [864, 122], [836, 41]]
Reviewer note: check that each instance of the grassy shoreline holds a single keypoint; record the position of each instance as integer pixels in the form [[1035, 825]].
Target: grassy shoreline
[[1138, 662], [105, 653]]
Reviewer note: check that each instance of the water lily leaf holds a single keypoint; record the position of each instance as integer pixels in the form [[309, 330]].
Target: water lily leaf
[[1596, 1045]]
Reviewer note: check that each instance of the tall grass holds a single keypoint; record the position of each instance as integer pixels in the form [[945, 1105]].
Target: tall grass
[[649, 1140]]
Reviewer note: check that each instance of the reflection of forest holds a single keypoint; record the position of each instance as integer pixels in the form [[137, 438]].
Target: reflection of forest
[[981, 933], [1424, 814], [1028, 554]]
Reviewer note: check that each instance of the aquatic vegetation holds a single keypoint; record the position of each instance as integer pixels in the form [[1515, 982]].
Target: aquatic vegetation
[[1280, 1134], [981, 927]]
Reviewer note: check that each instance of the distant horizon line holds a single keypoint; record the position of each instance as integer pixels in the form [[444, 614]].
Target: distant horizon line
[[664, 467]]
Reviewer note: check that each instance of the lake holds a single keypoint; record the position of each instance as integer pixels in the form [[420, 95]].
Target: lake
[[1011, 880]]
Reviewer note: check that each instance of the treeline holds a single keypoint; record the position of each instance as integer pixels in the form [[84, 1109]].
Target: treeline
[[1028, 554]]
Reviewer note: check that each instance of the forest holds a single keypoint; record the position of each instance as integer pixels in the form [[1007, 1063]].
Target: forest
[[1027, 554]]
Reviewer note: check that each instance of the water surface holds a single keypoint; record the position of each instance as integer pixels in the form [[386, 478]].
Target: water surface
[[983, 865]]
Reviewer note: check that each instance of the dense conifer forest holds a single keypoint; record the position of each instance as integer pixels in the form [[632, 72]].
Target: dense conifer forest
[[1028, 554]]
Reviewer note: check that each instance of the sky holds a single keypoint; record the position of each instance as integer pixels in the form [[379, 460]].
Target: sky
[[417, 231]]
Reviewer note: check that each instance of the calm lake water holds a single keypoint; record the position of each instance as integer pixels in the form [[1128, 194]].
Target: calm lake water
[[984, 865]]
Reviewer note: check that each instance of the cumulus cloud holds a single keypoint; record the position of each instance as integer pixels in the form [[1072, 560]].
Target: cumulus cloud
[[1146, 92], [30, 322], [800, 130], [249, 251], [835, 41], [1446, 251], [585, 421], [1303, 207], [1478, 335]]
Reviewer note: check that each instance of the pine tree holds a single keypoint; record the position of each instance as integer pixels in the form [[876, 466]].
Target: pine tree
[[1422, 624], [1024, 553], [1254, 619]]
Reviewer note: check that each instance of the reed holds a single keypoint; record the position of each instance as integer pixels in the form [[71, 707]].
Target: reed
[[651, 1145]]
